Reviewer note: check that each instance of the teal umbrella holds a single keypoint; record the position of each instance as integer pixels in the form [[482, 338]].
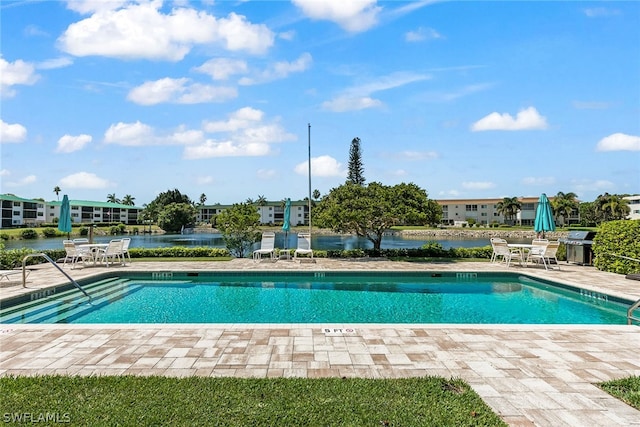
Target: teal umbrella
[[64, 222], [544, 216], [286, 225]]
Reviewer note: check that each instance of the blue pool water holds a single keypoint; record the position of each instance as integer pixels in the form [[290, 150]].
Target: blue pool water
[[320, 297]]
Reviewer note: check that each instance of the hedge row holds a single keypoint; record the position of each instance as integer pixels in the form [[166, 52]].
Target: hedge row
[[615, 240]]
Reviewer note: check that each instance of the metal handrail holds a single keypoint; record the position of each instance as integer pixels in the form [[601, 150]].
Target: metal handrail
[[622, 256], [630, 317], [48, 258]]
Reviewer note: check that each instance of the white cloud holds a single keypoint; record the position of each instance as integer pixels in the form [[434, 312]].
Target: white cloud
[[619, 142], [540, 180], [91, 6], [246, 135], [213, 148], [422, 34], [29, 179], [4, 172], [12, 132], [478, 185], [179, 91], [353, 16], [142, 31], [86, 180], [527, 119], [223, 68], [266, 173], [69, 143], [346, 103], [131, 134], [279, 70], [358, 97], [51, 64], [239, 119], [287, 35], [587, 185], [185, 136], [323, 166], [14, 73], [205, 180]]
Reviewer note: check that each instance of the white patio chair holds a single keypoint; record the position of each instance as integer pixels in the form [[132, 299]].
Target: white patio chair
[[546, 255], [502, 250], [267, 246], [113, 251], [494, 254], [304, 246], [75, 254], [125, 249]]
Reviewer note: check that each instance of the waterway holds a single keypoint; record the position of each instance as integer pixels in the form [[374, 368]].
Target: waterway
[[319, 241]]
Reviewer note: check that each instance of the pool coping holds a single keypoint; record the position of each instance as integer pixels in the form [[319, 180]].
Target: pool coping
[[528, 374]]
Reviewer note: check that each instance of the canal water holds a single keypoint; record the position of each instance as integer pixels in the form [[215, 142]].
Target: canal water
[[319, 241]]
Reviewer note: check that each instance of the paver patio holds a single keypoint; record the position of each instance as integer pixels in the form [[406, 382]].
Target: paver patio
[[540, 375]]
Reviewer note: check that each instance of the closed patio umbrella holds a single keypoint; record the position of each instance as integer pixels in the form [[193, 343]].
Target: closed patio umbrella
[[544, 216], [286, 225], [64, 222]]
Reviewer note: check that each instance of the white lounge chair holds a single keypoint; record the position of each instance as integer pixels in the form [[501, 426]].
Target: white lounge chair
[[304, 246], [5, 274], [267, 246], [113, 251], [545, 255]]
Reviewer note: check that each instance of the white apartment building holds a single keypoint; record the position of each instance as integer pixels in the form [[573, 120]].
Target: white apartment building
[[634, 205], [485, 211], [270, 212], [19, 212]]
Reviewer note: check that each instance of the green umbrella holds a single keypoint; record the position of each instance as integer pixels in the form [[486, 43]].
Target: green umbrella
[[544, 216], [64, 222], [286, 225]]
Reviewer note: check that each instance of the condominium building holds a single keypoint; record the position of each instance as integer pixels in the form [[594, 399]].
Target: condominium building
[[485, 211], [634, 205], [20, 212], [270, 212]]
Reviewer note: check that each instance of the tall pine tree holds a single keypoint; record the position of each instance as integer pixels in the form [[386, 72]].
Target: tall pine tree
[[356, 168]]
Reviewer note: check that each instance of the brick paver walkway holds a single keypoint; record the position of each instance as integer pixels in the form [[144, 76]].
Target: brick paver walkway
[[540, 375]]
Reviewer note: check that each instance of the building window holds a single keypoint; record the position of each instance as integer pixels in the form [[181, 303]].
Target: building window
[[483, 206], [16, 213], [471, 208], [16, 204], [527, 207], [483, 214]]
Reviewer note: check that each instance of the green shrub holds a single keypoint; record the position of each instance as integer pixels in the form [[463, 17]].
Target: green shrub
[[83, 231], [178, 252], [616, 239], [29, 233], [4, 236], [49, 232]]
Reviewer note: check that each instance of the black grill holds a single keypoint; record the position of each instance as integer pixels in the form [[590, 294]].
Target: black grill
[[579, 247]]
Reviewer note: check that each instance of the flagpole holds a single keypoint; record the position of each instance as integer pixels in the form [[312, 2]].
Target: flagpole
[[309, 145]]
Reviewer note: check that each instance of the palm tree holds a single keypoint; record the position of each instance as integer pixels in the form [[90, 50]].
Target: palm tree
[[203, 198], [316, 194], [261, 200], [111, 198], [610, 207], [57, 190], [509, 207], [563, 204], [249, 201], [128, 200]]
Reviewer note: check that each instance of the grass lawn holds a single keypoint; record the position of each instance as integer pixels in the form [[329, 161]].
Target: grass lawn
[[625, 389], [142, 401]]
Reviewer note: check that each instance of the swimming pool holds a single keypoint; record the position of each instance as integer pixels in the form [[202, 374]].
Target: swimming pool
[[316, 297]]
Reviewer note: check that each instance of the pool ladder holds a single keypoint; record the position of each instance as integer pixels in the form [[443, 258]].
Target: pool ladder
[[48, 258], [630, 317]]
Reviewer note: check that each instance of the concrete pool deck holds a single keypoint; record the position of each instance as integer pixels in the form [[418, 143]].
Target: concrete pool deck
[[530, 375]]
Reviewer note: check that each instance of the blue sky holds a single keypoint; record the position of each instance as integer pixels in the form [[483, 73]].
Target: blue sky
[[465, 99]]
